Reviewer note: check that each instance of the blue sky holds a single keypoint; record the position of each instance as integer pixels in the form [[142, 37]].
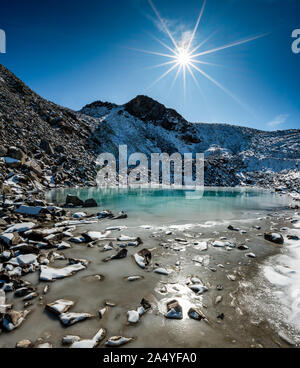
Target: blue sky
[[75, 52]]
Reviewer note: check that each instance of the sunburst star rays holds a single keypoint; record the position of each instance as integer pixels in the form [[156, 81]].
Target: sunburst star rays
[[183, 56]]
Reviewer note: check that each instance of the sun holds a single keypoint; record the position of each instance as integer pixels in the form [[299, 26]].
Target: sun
[[185, 57]]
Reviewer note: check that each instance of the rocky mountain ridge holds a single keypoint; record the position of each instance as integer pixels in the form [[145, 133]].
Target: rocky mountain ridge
[[55, 146], [234, 155]]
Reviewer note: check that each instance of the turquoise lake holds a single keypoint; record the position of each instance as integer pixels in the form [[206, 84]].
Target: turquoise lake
[[178, 206]]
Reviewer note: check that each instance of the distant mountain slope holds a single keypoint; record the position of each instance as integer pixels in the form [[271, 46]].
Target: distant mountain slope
[[234, 155]]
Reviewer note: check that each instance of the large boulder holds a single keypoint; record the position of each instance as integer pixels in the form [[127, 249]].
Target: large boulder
[[90, 203], [73, 200]]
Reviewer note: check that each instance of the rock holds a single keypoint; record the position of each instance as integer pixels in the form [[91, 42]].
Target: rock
[[34, 167], [5, 256], [198, 289], [11, 238], [135, 243], [102, 312], [30, 296], [47, 147], [230, 244], [145, 304], [110, 303], [143, 257], [133, 278], [14, 319], [104, 214], [293, 237], [174, 310], [24, 344], [196, 313], [218, 300], [118, 228], [161, 271], [118, 341], [22, 291], [121, 215], [218, 244], [243, 247], [201, 246], [230, 227], [250, 255], [3, 151], [120, 255], [63, 245], [24, 248], [68, 319], [125, 238], [179, 240], [198, 259], [29, 210], [78, 239], [4, 308], [90, 203], [274, 238], [73, 200], [92, 343], [70, 339], [195, 280], [79, 215], [133, 316], [108, 247], [45, 345], [23, 259], [96, 235], [20, 228], [73, 261], [59, 306], [50, 274], [46, 289], [231, 277], [16, 153]]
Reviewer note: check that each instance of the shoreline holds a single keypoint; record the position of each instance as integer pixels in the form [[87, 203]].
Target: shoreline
[[173, 253]]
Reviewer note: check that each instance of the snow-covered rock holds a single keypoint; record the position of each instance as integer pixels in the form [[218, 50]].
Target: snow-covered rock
[[50, 273], [118, 341], [60, 306], [69, 318], [20, 228], [29, 210]]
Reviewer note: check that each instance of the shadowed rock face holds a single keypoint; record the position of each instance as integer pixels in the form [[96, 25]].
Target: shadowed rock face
[[147, 109], [99, 104]]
